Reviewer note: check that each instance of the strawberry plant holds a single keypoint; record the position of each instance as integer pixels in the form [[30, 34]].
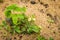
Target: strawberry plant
[[19, 23]]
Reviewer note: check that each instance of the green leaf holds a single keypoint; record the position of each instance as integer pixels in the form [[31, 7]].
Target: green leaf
[[33, 28], [51, 38], [17, 29], [4, 23], [41, 38], [7, 13], [8, 10], [23, 29], [16, 8], [12, 7], [21, 9], [1, 26], [50, 21], [21, 16], [14, 18]]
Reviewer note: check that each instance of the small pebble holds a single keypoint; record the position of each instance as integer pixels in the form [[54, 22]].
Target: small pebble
[[41, 3], [53, 0], [32, 2], [58, 28], [15, 38], [39, 0], [59, 7], [54, 32], [42, 10], [20, 36], [49, 15], [48, 27], [46, 5]]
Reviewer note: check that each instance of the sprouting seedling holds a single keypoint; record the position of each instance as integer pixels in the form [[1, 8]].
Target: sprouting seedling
[[41, 38], [51, 38], [1, 26], [50, 20]]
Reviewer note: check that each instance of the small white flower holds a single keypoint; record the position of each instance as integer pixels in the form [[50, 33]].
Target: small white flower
[[29, 19], [34, 19], [40, 26]]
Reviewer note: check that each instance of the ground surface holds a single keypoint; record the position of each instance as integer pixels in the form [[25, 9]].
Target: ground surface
[[42, 9]]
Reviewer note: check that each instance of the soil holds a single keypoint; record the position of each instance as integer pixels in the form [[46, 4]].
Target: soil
[[43, 9]]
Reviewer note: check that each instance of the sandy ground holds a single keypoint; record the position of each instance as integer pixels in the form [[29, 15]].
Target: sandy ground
[[43, 9]]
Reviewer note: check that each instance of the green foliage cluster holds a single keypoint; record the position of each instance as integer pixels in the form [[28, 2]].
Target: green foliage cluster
[[18, 23]]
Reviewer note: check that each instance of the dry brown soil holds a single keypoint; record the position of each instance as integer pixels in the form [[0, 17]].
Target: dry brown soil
[[43, 9]]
